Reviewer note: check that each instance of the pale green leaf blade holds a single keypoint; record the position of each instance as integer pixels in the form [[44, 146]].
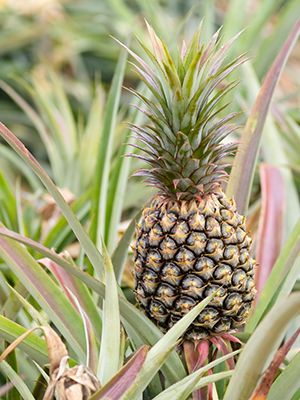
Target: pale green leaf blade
[[70, 283], [32, 345], [102, 170], [123, 379], [287, 382], [46, 293], [148, 371], [260, 348], [86, 242], [284, 264], [36, 316], [110, 341], [17, 381], [117, 191], [119, 256], [194, 381], [241, 177]]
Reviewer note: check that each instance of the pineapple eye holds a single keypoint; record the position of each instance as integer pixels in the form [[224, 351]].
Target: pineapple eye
[[204, 263], [154, 256], [168, 244], [223, 325], [184, 255], [226, 214], [249, 284], [168, 221], [150, 276], [231, 300], [208, 314], [157, 309], [192, 281], [212, 227], [230, 252], [165, 290], [139, 262], [157, 230], [222, 271], [184, 304], [239, 277], [244, 310], [214, 248], [171, 269], [196, 238], [240, 235], [197, 222], [144, 242]]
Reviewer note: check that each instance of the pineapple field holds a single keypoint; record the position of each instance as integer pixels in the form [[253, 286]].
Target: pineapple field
[[149, 200]]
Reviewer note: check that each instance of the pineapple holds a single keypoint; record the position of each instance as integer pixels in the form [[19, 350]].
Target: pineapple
[[191, 239]]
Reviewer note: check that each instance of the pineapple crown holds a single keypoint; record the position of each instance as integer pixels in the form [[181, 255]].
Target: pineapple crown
[[184, 146]]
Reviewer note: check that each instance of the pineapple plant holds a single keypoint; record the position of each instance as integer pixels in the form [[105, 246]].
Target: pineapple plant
[[191, 240]]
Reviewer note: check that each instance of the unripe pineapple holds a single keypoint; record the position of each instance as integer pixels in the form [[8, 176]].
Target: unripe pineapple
[[191, 240]]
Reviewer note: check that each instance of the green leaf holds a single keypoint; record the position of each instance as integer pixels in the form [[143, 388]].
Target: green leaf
[[286, 263], [45, 292], [241, 178], [287, 382], [110, 340], [102, 170], [119, 256], [140, 328], [120, 382], [194, 381], [17, 381], [78, 289], [32, 345], [116, 194], [36, 316], [147, 372], [11, 360], [86, 242], [260, 347]]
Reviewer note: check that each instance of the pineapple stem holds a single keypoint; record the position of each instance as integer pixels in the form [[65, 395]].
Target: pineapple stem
[[196, 355]]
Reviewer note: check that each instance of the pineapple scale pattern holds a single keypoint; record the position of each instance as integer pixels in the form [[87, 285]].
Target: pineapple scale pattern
[[186, 251]]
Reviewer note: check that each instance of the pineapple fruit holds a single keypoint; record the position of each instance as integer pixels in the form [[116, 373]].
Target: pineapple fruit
[[191, 239]]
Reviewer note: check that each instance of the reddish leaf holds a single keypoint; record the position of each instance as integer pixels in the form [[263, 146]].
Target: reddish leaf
[[195, 356], [262, 390], [271, 224], [122, 381], [241, 177]]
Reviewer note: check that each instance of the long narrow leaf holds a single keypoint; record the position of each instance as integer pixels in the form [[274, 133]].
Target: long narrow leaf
[[141, 329], [119, 256], [118, 385], [71, 284], [99, 200], [17, 381], [193, 381], [263, 388], [33, 345], [283, 264], [271, 225], [110, 341], [287, 382], [241, 178], [86, 242], [260, 347], [46, 293]]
